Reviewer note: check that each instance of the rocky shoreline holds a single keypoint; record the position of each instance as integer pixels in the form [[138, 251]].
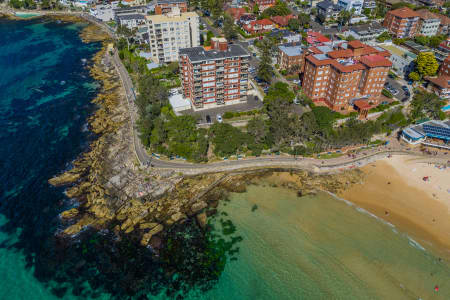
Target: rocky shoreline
[[114, 192]]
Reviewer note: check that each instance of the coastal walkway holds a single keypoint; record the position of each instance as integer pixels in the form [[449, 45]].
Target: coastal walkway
[[291, 162]]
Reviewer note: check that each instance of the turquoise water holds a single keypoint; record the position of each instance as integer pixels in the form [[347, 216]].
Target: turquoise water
[[26, 15], [321, 248]]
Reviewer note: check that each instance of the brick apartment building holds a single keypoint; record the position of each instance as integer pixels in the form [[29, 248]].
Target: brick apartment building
[[351, 75], [163, 7], [402, 22], [215, 77], [291, 56]]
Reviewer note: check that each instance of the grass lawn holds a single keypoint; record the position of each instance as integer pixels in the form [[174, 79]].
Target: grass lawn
[[329, 155]]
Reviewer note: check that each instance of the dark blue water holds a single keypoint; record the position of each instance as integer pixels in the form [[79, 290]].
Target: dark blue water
[[45, 94]]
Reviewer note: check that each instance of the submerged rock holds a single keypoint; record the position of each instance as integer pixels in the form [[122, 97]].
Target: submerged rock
[[68, 214], [202, 220]]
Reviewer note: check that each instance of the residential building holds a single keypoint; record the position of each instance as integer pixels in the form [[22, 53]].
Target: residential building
[[370, 4], [366, 32], [403, 61], [131, 10], [444, 70], [416, 48], [432, 3], [285, 36], [246, 19], [316, 38], [291, 56], [444, 25], [236, 12], [349, 5], [402, 22], [215, 77], [131, 21], [352, 74], [327, 10], [443, 51], [262, 4], [163, 7], [171, 32], [282, 21], [440, 86], [428, 23], [259, 26]]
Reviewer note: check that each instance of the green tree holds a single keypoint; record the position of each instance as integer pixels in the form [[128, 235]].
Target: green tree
[[294, 25], [265, 69], [414, 76], [227, 140], [402, 4], [16, 3], [426, 105], [229, 29], [255, 9], [423, 40], [126, 33], [383, 37], [426, 64]]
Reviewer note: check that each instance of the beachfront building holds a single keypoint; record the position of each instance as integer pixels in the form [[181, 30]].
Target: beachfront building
[[214, 77], [428, 23], [352, 74], [163, 7], [169, 33], [432, 133], [350, 5], [402, 22], [403, 61], [291, 56]]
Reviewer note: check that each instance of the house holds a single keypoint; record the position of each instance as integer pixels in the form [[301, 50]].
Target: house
[[282, 21], [236, 12], [246, 19], [402, 22], [442, 51], [262, 4], [444, 70], [370, 4], [316, 38], [366, 32], [327, 10], [444, 25], [291, 56], [259, 26], [428, 23], [285, 35], [131, 21], [440, 86], [403, 61]]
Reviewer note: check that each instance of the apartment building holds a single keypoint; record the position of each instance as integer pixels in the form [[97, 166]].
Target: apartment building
[[428, 23], [291, 56], [259, 26], [366, 32], [163, 7], [444, 70], [349, 5], [340, 77], [403, 61], [402, 22], [327, 10], [169, 33], [214, 77]]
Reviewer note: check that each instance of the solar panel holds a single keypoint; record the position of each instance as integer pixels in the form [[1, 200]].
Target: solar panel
[[437, 131]]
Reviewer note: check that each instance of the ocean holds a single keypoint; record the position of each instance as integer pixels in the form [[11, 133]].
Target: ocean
[[279, 246]]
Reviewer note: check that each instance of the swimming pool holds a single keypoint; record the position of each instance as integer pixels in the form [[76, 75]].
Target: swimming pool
[[446, 108]]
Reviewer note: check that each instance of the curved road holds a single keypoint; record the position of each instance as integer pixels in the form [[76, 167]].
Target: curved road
[[259, 162]]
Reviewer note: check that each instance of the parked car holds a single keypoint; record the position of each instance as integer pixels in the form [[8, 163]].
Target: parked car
[[405, 88], [254, 54], [208, 119], [219, 118]]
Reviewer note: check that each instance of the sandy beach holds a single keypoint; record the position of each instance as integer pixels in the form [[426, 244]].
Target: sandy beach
[[395, 190]]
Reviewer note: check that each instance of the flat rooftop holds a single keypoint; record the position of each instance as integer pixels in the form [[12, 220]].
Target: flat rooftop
[[196, 54]]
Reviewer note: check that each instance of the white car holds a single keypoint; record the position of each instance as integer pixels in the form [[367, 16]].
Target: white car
[[219, 118]]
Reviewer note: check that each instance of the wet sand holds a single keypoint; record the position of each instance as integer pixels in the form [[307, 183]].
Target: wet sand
[[394, 190]]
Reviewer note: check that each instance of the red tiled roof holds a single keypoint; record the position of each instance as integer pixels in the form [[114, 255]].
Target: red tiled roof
[[314, 50], [426, 14], [316, 37], [404, 12], [236, 13], [282, 20], [261, 22], [356, 44], [340, 53], [441, 81], [375, 61], [362, 104], [336, 64]]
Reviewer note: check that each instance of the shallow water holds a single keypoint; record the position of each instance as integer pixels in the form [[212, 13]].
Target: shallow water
[[318, 247]]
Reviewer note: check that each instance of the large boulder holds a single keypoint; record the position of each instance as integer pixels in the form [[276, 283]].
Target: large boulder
[[202, 220], [68, 214], [198, 206], [147, 236]]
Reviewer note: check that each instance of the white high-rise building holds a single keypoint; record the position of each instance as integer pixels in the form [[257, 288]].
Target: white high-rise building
[[348, 5], [169, 33]]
